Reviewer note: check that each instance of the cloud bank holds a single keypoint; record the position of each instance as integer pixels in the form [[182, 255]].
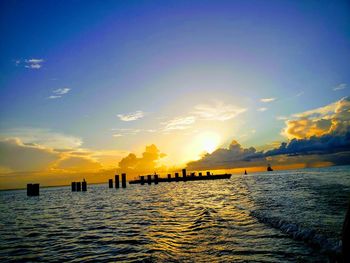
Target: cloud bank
[[320, 135]]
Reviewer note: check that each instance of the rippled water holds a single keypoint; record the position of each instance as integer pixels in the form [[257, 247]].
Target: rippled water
[[244, 219]]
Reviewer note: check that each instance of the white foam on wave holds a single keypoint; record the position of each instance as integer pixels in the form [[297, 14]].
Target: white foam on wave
[[326, 245]]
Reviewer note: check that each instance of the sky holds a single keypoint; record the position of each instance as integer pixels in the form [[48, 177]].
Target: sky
[[137, 86]]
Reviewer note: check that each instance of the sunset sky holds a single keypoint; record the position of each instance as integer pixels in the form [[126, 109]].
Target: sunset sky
[[98, 86]]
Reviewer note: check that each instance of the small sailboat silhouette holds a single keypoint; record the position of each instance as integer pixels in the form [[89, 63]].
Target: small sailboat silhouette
[[269, 168]]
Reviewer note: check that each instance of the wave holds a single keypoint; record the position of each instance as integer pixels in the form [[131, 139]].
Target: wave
[[327, 246]]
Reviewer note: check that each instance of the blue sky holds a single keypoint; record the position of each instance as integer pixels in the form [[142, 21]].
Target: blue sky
[[71, 67]]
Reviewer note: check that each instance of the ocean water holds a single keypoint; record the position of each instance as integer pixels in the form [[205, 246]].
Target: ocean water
[[283, 216]]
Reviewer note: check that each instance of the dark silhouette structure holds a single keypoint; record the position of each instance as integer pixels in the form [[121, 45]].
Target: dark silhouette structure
[[245, 172], [78, 186], [269, 168], [33, 189], [184, 174], [116, 181], [142, 178], [200, 174], [110, 183], [124, 180], [74, 186], [176, 177], [184, 178], [84, 185]]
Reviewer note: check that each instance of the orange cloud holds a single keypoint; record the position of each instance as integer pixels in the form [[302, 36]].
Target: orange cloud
[[330, 119]]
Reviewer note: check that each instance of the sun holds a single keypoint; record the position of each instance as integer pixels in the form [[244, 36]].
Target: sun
[[208, 141]]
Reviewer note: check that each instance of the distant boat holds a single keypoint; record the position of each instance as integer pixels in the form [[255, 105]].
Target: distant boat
[[269, 168]]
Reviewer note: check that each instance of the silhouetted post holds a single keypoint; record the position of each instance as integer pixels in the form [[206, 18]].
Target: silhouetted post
[[123, 180], [35, 189], [200, 174], [149, 179], [78, 186], [84, 186], [245, 172], [116, 181], [192, 174], [142, 178], [208, 173], [156, 179], [346, 237], [74, 186], [184, 174], [176, 177], [110, 183], [169, 177]]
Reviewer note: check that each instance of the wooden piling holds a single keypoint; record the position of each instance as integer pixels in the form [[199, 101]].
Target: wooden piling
[[124, 180], [142, 180], [208, 173], [156, 179], [200, 174], [74, 186], [33, 189], [149, 179], [193, 174], [116, 181], [176, 177], [78, 186], [84, 186], [169, 177], [110, 183], [184, 174]]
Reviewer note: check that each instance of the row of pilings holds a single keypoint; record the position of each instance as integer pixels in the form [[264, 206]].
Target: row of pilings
[[79, 186], [116, 181]]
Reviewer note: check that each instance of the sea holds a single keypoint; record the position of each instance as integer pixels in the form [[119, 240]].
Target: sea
[[280, 216]]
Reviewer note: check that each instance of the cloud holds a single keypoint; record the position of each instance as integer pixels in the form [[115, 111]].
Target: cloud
[[317, 136], [133, 116], [219, 111], [78, 164], [281, 118], [266, 100], [148, 161], [179, 123], [33, 63], [340, 86], [333, 118], [262, 109], [44, 137], [58, 93], [123, 132], [234, 156], [18, 156]]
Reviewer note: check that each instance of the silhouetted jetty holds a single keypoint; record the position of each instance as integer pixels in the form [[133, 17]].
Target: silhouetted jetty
[[269, 168], [156, 179], [33, 189]]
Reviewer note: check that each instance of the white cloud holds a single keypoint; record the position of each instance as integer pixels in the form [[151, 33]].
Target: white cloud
[[219, 111], [123, 132], [43, 137], [58, 93], [281, 118], [179, 123], [299, 94], [133, 116], [262, 109], [61, 91], [266, 100], [33, 63], [340, 86]]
